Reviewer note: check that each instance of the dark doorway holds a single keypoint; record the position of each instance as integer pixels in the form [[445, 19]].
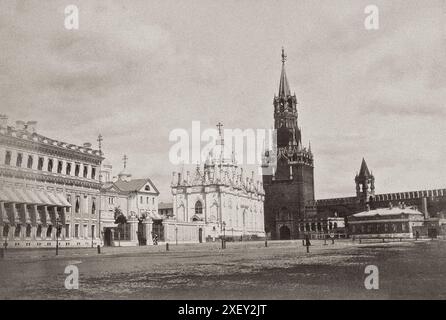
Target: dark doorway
[[142, 237], [432, 233], [158, 229], [108, 237], [200, 235], [285, 233]]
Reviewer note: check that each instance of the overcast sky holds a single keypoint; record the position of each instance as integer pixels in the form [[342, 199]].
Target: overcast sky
[[135, 70]]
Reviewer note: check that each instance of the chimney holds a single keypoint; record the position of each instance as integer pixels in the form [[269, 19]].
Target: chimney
[[31, 126], [3, 121], [20, 125]]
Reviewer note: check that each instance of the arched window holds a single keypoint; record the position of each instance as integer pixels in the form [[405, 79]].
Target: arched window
[[30, 162], [93, 206], [8, 158], [19, 160], [40, 164], [50, 165], [77, 205], [198, 208]]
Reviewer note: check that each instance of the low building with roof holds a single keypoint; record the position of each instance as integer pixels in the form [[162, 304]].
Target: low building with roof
[[137, 201], [391, 222]]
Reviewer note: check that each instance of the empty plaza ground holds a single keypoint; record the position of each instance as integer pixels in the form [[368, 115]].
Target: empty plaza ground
[[283, 270]]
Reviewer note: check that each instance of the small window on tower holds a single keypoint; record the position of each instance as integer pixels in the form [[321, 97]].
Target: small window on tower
[[40, 164], [59, 166], [50, 165], [19, 160], [85, 171], [30, 162], [68, 169], [8, 158]]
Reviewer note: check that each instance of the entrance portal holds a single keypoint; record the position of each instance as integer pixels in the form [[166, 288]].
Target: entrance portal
[[285, 233], [142, 237], [108, 240]]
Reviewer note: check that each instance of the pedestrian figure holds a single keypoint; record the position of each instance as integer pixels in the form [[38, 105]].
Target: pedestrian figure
[[417, 234], [307, 242], [155, 240]]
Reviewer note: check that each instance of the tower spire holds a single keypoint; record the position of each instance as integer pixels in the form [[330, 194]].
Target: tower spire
[[100, 139], [364, 171], [284, 87], [125, 161]]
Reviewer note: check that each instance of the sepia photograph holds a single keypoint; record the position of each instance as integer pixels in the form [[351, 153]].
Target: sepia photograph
[[222, 155]]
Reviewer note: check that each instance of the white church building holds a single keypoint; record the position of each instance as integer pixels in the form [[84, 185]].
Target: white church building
[[216, 200]]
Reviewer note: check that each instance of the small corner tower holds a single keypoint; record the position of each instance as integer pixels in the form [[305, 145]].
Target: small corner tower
[[365, 184]]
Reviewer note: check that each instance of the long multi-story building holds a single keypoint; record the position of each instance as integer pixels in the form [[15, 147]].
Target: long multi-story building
[[49, 189]]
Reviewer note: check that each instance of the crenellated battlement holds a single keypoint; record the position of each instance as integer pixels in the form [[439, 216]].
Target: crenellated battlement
[[433, 193]]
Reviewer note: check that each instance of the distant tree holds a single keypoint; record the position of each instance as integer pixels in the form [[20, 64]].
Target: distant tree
[[119, 217]]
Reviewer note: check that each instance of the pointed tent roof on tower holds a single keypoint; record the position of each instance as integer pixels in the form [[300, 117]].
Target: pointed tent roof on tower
[[284, 87], [364, 171]]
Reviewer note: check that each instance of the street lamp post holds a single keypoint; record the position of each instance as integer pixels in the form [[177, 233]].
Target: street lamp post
[[6, 239], [176, 235], [224, 235], [57, 236]]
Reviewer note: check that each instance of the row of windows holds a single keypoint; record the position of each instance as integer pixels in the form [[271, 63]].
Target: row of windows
[[50, 165], [49, 231], [141, 200], [380, 227], [77, 203]]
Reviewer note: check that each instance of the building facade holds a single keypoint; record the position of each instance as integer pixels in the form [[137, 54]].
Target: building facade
[[49, 189], [137, 201], [217, 200], [392, 222]]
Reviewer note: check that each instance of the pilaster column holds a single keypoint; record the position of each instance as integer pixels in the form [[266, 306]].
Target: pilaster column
[[112, 237], [33, 232], [15, 213], [3, 215], [44, 229], [47, 215], [12, 231], [133, 228], [148, 227], [27, 216]]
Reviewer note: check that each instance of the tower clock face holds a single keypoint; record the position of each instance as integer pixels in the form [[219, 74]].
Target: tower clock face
[[284, 136]]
